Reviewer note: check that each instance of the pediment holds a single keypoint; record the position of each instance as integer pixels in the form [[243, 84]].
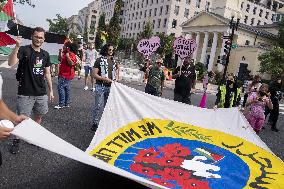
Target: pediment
[[205, 19]]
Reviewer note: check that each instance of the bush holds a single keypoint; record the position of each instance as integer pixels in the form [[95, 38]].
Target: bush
[[200, 69]]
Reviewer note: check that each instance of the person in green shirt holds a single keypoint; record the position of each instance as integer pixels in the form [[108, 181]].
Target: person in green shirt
[[156, 78]]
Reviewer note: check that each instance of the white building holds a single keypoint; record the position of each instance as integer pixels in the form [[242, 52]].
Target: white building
[[168, 15], [86, 22]]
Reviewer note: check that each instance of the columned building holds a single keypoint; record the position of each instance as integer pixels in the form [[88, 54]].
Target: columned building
[[208, 30]]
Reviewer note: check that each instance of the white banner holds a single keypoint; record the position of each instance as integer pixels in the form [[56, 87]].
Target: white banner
[[152, 139]]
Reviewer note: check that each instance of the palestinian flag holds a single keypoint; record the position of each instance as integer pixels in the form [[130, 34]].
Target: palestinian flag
[[6, 14]]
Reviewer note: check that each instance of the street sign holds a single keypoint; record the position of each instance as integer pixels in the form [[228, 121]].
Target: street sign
[[234, 46]]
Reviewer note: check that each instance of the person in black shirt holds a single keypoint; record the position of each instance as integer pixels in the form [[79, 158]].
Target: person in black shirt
[[32, 74], [185, 80], [276, 96], [105, 71]]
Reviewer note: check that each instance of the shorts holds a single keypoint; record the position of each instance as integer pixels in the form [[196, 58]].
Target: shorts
[[26, 105], [88, 70]]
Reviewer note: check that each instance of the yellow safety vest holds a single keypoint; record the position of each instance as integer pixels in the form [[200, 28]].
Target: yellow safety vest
[[223, 96]]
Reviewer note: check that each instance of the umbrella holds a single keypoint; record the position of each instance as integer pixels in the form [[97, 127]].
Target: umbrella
[[6, 39]]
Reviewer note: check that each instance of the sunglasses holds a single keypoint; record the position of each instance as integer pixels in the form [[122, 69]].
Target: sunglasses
[[110, 49]]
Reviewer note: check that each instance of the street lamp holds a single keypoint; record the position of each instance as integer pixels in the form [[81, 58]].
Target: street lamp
[[233, 27]]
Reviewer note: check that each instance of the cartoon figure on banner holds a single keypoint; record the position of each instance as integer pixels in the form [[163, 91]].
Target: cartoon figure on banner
[[184, 47], [175, 162]]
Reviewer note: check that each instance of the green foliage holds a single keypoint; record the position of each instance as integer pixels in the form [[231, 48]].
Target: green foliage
[[201, 69], [281, 34], [101, 27], [114, 24], [58, 25], [23, 2], [147, 32], [218, 78], [272, 62], [166, 44], [73, 37]]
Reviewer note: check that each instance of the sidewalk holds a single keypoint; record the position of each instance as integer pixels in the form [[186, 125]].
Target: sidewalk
[[212, 89]]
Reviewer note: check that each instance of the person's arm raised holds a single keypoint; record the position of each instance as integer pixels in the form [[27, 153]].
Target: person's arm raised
[[13, 58]]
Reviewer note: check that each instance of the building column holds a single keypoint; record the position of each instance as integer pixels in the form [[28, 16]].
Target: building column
[[213, 51], [204, 48], [197, 39], [188, 35]]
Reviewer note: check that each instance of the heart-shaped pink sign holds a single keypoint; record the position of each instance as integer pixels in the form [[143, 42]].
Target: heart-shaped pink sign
[[148, 46], [184, 47]]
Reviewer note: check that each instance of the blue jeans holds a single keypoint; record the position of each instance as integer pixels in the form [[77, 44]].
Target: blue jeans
[[101, 96], [64, 87]]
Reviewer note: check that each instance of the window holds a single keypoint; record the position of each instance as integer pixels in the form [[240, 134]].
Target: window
[[260, 12], [207, 6], [254, 10], [247, 42], [252, 22], [150, 13], [248, 7], [258, 22], [153, 24], [155, 12], [165, 22], [187, 2], [186, 13], [145, 14], [242, 5], [161, 10], [174, 23], [167, 9], [159, 23], [197, 3], [176, 11], [245, 19], [266, 15]]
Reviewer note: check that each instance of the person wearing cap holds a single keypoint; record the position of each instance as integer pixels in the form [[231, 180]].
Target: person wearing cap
[[155, 78], [185, 80]]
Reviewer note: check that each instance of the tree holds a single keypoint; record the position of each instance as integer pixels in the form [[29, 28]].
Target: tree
[[58, 25], [281, 34], [272, 62], [147, 31], [166, 44], [23, 2], [101, 28], [114, 24]]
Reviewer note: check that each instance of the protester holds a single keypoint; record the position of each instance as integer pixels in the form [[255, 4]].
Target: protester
[[90, 57], [105, 71], [6, 113], [185, 80], [80, 53], [155, 78], [252, 87], [33, 69], [229, 95], [255, 107], [66, 74], [276, 96]]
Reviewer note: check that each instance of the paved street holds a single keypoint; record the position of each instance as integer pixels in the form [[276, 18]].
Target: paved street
[[36, 168]]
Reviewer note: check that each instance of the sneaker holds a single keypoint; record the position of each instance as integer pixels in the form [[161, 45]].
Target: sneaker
[[67, 106], [79, 77], [86, 88], [93, 89], [275, 129], [94, 127], [14, 149], [58, 107]]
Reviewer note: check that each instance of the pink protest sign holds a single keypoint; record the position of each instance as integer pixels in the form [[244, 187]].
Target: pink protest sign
[[148, 46], [184, 47]]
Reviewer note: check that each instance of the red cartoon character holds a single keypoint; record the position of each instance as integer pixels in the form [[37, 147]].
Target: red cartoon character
[[170, 161], [147, 156], [176, 174], [138, 168], [174, 150]]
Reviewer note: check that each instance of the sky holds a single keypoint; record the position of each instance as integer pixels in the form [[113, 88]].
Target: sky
[[48, 9]]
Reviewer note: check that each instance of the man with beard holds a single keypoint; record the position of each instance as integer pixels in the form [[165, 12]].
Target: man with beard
[[185, 80], [32, 73]]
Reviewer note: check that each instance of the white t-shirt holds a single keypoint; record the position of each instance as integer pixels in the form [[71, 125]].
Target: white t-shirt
[[1, 82], [91, 56]]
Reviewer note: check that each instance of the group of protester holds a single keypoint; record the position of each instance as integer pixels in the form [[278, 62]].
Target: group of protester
[[34, 71]]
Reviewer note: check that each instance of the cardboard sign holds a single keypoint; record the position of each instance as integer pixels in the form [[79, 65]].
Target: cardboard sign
[[184, 47], [148, 46]]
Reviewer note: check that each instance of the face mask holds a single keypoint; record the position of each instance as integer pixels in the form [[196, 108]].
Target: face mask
[[230, 82]]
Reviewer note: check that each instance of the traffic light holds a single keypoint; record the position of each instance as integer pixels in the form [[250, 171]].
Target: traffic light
[[227, 46]]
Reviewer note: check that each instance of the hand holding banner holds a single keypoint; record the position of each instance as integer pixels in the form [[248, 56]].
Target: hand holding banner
[[184, 47], [148, 46]]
